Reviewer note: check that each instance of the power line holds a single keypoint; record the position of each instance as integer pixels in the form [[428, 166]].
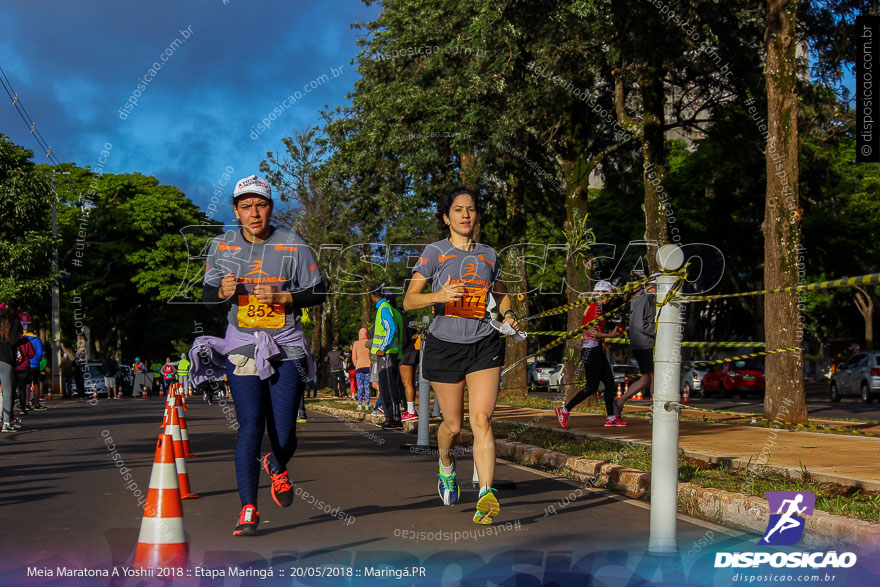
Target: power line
[[26, 118]]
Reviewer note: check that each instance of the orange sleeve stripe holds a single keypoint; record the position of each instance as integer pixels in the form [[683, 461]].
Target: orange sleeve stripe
[[422, 261]]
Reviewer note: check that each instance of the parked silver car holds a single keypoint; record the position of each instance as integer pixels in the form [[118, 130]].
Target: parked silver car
[[692, 381], [859, 376], [539, 373], [93, 379], [557, 377]]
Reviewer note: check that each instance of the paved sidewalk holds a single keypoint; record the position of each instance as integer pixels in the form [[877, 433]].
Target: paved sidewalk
[[842, 459]]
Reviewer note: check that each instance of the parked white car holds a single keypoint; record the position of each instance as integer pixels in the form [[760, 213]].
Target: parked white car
[[692, 381]]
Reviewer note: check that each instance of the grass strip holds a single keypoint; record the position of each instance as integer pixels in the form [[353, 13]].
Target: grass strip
[[830, 497]]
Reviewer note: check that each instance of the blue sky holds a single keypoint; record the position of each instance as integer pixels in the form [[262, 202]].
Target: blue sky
[[75, 64]]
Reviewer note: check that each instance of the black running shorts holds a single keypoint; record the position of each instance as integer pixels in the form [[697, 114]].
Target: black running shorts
[[645, 359], [450, 362], [409, 357]]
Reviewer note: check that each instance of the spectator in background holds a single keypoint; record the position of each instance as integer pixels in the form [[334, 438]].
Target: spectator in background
[[336, 361], [66, 367], [46, 370], [360, 356], [33, 379], [10, 334], [183, 372], [168, 372], [408, 362], [111, 370], [141, 383], [386, 346], [313, 384], [25, 352], [349, 367], [79, 363]]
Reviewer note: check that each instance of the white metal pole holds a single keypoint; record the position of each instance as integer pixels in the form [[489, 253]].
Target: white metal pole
[[55, 379], [664, 435], [424, 391]]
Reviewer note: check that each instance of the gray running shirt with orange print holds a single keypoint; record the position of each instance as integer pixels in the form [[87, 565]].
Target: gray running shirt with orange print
[[466, 320], [284, 260]]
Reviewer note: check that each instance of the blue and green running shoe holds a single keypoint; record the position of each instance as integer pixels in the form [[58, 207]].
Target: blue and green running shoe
[[447, 487], [487, 506]]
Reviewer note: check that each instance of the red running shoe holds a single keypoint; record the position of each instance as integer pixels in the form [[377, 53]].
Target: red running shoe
[[247, 522], [408, 416], [282, 488], [614, 422], [562, 416]]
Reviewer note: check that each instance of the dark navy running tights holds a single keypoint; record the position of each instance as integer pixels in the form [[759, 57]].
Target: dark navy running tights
[[264, 405]]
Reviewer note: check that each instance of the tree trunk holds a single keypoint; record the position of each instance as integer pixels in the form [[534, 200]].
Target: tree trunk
[[784, 398], [575, 275], [366, 311], [336, 318], [469, 179], [654, 155], [516, 380], [317, 336], [865, 304], [325, 342]]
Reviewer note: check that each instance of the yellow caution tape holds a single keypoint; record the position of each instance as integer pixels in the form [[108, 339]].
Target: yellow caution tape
[[740, 357], [689, 344], [872, 278], [563, 337], [758, 418], [625, 288]]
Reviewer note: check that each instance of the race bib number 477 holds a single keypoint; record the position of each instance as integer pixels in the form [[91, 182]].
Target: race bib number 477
[[471, 305]]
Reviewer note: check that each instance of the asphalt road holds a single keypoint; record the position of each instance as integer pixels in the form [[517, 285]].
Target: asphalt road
[[65, 504]]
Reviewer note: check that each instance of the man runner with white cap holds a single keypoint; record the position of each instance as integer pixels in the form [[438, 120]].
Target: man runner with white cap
[[596, 367], [264, 276]]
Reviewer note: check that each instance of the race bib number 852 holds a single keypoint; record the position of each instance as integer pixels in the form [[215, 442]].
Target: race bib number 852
[[253, 314]]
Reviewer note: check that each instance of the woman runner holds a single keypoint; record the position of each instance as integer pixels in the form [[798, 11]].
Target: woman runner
[[264, 276], [461, 346], [596, 367]]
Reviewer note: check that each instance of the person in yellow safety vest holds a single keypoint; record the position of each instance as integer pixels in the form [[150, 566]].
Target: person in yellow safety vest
[[386, 347], [183, 372]]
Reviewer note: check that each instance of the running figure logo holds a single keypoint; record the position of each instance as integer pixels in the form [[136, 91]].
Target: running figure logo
[[786, 526], [470, 269], [255, 268]]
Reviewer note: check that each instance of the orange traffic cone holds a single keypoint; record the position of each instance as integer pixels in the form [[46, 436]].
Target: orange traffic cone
[[686, 394], [173, 430], [619, 390], [639, 395], [184, 433], [181, 394], [162, 542], [166, 415]]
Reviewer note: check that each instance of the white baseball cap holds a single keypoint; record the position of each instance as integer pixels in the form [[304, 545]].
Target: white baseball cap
[[253, 185], [603, 286]]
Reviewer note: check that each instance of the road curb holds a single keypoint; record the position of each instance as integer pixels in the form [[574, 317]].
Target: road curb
[[737, 510], [730, 462]]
